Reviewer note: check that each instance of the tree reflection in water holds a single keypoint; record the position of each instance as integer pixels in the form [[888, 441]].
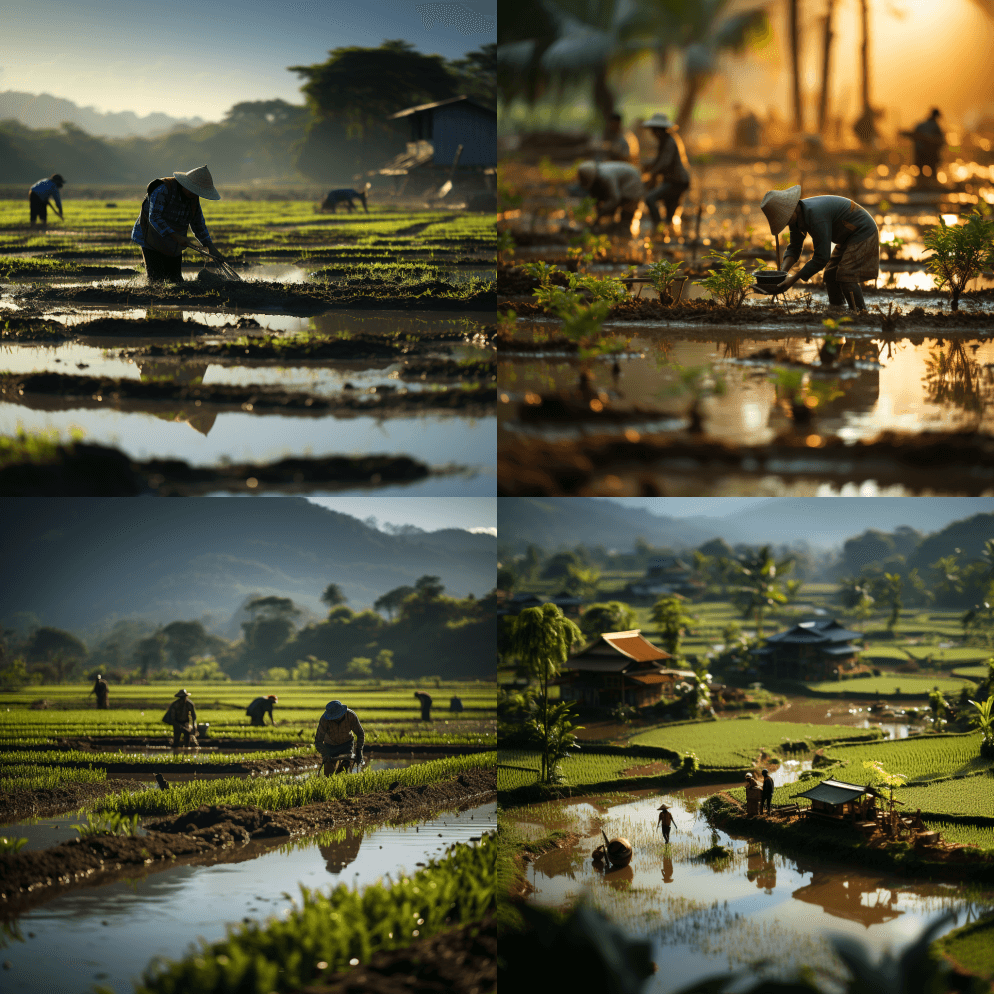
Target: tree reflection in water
[[954, 379]]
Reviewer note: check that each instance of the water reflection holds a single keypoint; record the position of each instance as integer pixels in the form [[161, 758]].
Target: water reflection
[[958, 380], [338, 855], [844, 898]]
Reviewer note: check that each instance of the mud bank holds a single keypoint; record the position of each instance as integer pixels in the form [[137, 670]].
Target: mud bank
[[298, 298], [31, 877], [594, 464], [16, 805], [104, 391], [81, 470]]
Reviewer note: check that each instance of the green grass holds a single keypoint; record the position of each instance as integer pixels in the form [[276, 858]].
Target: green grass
[[276, 793], [971, 947], [325, 933], [53, 757], [972, 672], [732, 743], [31, 776], [981, 836], [902, 683], [971, 796], [519, 768]]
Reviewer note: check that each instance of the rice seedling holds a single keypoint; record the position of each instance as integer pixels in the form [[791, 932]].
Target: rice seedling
[[981, 836], [328, 933], [30, 776], [894, 683], [11, 846], [106, 824]]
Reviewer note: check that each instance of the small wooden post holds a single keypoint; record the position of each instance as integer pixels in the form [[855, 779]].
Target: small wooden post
[[777, 236]]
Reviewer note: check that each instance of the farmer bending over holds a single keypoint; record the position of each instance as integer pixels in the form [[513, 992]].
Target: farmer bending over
[[425, 701], [100, 689], [333, 738], [182, 715], [855, 258], [38, 198], [259, 708], [612, 185], [171, 205], [336, 197]]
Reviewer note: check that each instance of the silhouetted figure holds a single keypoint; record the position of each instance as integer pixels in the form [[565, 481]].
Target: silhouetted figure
[[259, 708], [346, 197], [754, 796], [338, 855], [928, 139], [101, 689], [161, 781], [425, 701], [38, 198], [620, 145], [670, 169], [333, 738], [455, 704], [667, 869], [768, 786], [613, 185], [182, 715], [665, 821]]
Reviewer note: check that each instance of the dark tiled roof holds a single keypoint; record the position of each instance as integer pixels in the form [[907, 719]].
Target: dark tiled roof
[[833, 792]]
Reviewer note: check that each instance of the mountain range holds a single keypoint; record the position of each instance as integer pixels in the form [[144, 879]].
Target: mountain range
[[42, 110], [822, 522], [82, 564]]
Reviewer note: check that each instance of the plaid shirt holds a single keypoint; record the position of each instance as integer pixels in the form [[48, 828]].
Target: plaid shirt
[[44, 189], [156, 202]]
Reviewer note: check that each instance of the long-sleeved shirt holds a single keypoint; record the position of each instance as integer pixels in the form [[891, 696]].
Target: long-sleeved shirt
[[671, 160], [616, 183], [259, 707], [338, 733], [827, 220], [46, 188], [156, 202], [928, 139]]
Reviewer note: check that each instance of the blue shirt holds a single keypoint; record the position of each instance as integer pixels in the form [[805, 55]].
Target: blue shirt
[[46, 188], [156, 201]]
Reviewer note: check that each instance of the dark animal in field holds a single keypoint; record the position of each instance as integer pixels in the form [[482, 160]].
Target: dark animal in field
[[347, 197], [161, 781]]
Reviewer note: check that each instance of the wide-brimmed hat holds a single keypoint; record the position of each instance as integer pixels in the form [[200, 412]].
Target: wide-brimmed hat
[[659, 121], [778, 205], [334, 710], [585, 173], [663, 807], [200, 182], [181, 693]]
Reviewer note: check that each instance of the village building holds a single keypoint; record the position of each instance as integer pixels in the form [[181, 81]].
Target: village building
[[812, 650], [619, 668], [663, 577], [837, 800]]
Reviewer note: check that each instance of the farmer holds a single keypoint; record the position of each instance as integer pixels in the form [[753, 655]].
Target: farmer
[[620, 145], [171, 205], [929, 139], [182, 715], [768, 786], [455, 704], [612, 185], [668, 169], [665, 821], [425, 701], [101, 690], [336, 197], [838, 220], [258, 709], [333, 738], [38, 198], [754, 795]]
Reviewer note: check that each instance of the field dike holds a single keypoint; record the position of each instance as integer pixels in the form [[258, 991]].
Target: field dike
[[33, 877]]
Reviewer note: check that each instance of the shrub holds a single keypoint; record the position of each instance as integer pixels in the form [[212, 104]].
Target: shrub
[[689, 763], [662, 274], [728, 281], [11, 845], [960, 252]]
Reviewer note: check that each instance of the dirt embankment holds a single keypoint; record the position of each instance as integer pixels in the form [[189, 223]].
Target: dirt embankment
[[16, 805], [101, 858]]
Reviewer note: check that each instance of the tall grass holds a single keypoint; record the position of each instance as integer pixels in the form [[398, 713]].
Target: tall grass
[[30, 776]]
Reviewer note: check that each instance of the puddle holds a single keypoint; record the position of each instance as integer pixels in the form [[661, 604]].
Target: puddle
[[108, 934], [705, 919]]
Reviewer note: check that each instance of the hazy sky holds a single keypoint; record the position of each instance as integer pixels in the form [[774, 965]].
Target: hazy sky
[[431, 514], [195, 59], [682, 507]]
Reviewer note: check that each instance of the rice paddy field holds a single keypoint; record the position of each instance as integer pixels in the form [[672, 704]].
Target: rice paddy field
[[355, 351]]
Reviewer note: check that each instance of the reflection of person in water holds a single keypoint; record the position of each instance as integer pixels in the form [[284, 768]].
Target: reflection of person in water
[[338, 855], [179, 372], [667, 870], [762, 868]]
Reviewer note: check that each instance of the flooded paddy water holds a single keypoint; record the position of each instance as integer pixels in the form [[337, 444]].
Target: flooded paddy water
[[107, 934], [760, 910]]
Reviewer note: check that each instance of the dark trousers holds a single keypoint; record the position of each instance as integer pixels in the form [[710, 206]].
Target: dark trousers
[[666, 832], [39, 208], [102, 703], [766, 803], [179, 730], [426, 712], [162, 268], [258, 723], [669, 193]]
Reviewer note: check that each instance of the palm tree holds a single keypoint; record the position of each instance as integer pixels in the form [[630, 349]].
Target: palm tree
[[672, 617], [759, 576], [855, 596]]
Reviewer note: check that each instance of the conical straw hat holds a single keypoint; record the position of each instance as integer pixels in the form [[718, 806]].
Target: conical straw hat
[[778, 205], [200, 182], [585, 173], [659, 120]]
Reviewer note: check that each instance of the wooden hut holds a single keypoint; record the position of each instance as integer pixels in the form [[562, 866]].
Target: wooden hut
[[836, 800], [813, 650]]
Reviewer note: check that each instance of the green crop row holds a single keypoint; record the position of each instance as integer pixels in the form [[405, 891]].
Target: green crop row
[[735, 744], [972, 796], [29, 776], [326, 934], [520, 767], [276, 793], [98, 759], [919, 758], [894, 683], [965, 834]]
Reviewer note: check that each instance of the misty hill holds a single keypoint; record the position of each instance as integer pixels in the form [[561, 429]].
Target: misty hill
[[555, 522], [80, 564], [42, 110]]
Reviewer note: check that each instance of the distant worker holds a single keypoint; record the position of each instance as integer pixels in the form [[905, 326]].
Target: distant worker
[[754, 795], [425, 701], [333, 738], [455, 704], [38, 198], [829, 220], [347, 197], [669, 173], [747, 130], [620, 145], [101, 690], [665, 821], [613, 185], [259, 708], [171, 205], [768, 786], [182, 715], [928, 139], [865, 127]]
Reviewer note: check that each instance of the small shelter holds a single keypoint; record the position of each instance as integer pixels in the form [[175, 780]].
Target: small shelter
[[811, 650], [447, 124], [837, 800], [619, 668], [668, 575]]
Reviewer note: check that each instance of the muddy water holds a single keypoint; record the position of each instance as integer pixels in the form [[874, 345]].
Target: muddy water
[[704, 919], [108, 934]]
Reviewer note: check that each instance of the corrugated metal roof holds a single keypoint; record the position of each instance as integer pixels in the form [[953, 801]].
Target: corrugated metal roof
[[833, 792]]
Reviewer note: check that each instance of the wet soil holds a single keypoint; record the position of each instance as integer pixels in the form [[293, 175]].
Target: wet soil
[[461, 960], [16, 805], [594, 464], [84, 470], [105, 391], [297, 298], [31, 877]]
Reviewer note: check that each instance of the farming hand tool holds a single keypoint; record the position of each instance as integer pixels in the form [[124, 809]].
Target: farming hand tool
[[226, 271]]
